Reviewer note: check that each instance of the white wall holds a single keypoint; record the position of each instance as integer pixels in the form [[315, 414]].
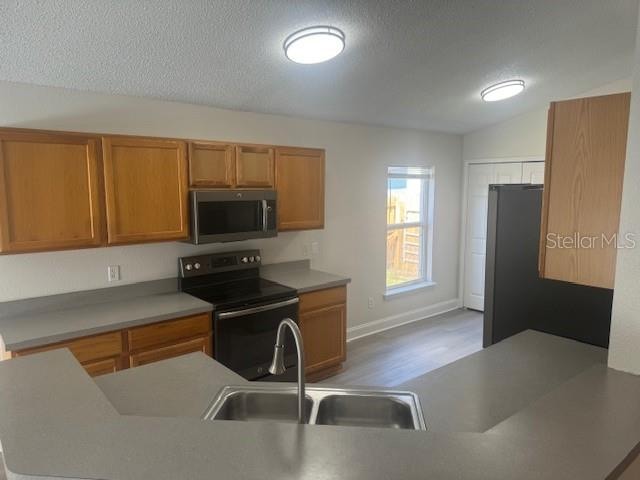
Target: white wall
[[624, 347], [524, 135], [353, 242]]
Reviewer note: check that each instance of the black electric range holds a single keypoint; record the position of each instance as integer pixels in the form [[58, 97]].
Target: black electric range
[[247, 310]]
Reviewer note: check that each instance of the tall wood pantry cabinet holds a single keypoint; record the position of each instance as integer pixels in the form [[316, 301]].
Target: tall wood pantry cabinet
[[584, 168]]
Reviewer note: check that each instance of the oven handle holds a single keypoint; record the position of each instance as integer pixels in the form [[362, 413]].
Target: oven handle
[[262, 308]]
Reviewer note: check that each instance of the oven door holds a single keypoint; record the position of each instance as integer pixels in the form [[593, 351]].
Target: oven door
[[243, 339], [226, 216]]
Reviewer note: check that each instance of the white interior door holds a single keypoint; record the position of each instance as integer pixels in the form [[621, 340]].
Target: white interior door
[[533, 172], [480, 177]]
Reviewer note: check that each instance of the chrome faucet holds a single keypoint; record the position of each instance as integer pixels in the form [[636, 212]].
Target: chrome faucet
[[277, 364]]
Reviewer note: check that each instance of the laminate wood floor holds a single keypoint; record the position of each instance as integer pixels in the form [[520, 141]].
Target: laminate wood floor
[[395, 356]]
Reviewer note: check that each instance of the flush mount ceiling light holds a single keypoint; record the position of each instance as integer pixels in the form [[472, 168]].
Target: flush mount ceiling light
[[314, 44], [502, 90]]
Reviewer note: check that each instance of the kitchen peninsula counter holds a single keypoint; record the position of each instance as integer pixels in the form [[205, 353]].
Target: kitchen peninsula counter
[[145, 423]]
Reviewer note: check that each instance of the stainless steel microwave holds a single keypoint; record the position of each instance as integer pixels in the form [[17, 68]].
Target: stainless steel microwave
[[232, 215]]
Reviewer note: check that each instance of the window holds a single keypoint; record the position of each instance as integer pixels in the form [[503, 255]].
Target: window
[[409, 227]]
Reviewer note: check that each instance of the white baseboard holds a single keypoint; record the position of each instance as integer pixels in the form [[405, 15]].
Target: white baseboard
[[382, 324]]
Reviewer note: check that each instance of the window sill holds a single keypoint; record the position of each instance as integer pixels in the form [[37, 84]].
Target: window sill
[[394, 292]]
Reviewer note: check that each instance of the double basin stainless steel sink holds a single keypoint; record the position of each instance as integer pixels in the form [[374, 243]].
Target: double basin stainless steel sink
[[324, 406]]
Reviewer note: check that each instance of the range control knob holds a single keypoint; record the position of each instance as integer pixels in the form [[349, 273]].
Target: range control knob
[[258, 258], [252, 259], [188, 267], [244, 260], [196, 266]]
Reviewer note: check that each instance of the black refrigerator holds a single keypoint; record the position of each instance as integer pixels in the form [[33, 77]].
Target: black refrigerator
[[516, 298]]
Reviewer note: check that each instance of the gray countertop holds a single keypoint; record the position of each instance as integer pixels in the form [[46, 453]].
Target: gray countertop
[[537, 364], [581, 423], [35, 329], [301, 276], [40, 321]]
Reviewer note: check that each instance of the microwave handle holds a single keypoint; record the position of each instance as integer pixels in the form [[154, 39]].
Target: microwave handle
[[265, 216]]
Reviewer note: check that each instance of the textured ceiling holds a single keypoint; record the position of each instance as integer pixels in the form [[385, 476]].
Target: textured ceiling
[[418, 64]]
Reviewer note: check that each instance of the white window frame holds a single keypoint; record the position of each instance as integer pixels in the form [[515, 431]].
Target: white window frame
[[427, 176]]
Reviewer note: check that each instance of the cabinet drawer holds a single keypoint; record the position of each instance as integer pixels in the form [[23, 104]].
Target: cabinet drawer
[[102, 367], [201, 344], [86, 349], [322, 298], [167, 332]]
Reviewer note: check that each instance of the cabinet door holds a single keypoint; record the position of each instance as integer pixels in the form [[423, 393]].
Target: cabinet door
[[211, 165], [324, 337], [586, 149], [146, 189], [49, 192], [300, 187], [254, 167], [201, 344]]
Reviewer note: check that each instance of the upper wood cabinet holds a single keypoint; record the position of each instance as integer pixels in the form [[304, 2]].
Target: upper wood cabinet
[[146, 189], [254, 167], [584, 167], [211, 165], [49, 191], [63, 190], [300, 187]]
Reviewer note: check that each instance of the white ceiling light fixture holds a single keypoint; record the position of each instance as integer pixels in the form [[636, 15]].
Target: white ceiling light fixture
[[502, 90], [314, 44]]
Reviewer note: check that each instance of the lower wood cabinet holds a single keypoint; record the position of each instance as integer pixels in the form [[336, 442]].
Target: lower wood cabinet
[[120, 349], [323, 323], [85, 349]]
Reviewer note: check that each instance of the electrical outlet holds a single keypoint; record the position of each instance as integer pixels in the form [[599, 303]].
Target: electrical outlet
[[305, 250], [315, 248], [113, 273], [371, 303]]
